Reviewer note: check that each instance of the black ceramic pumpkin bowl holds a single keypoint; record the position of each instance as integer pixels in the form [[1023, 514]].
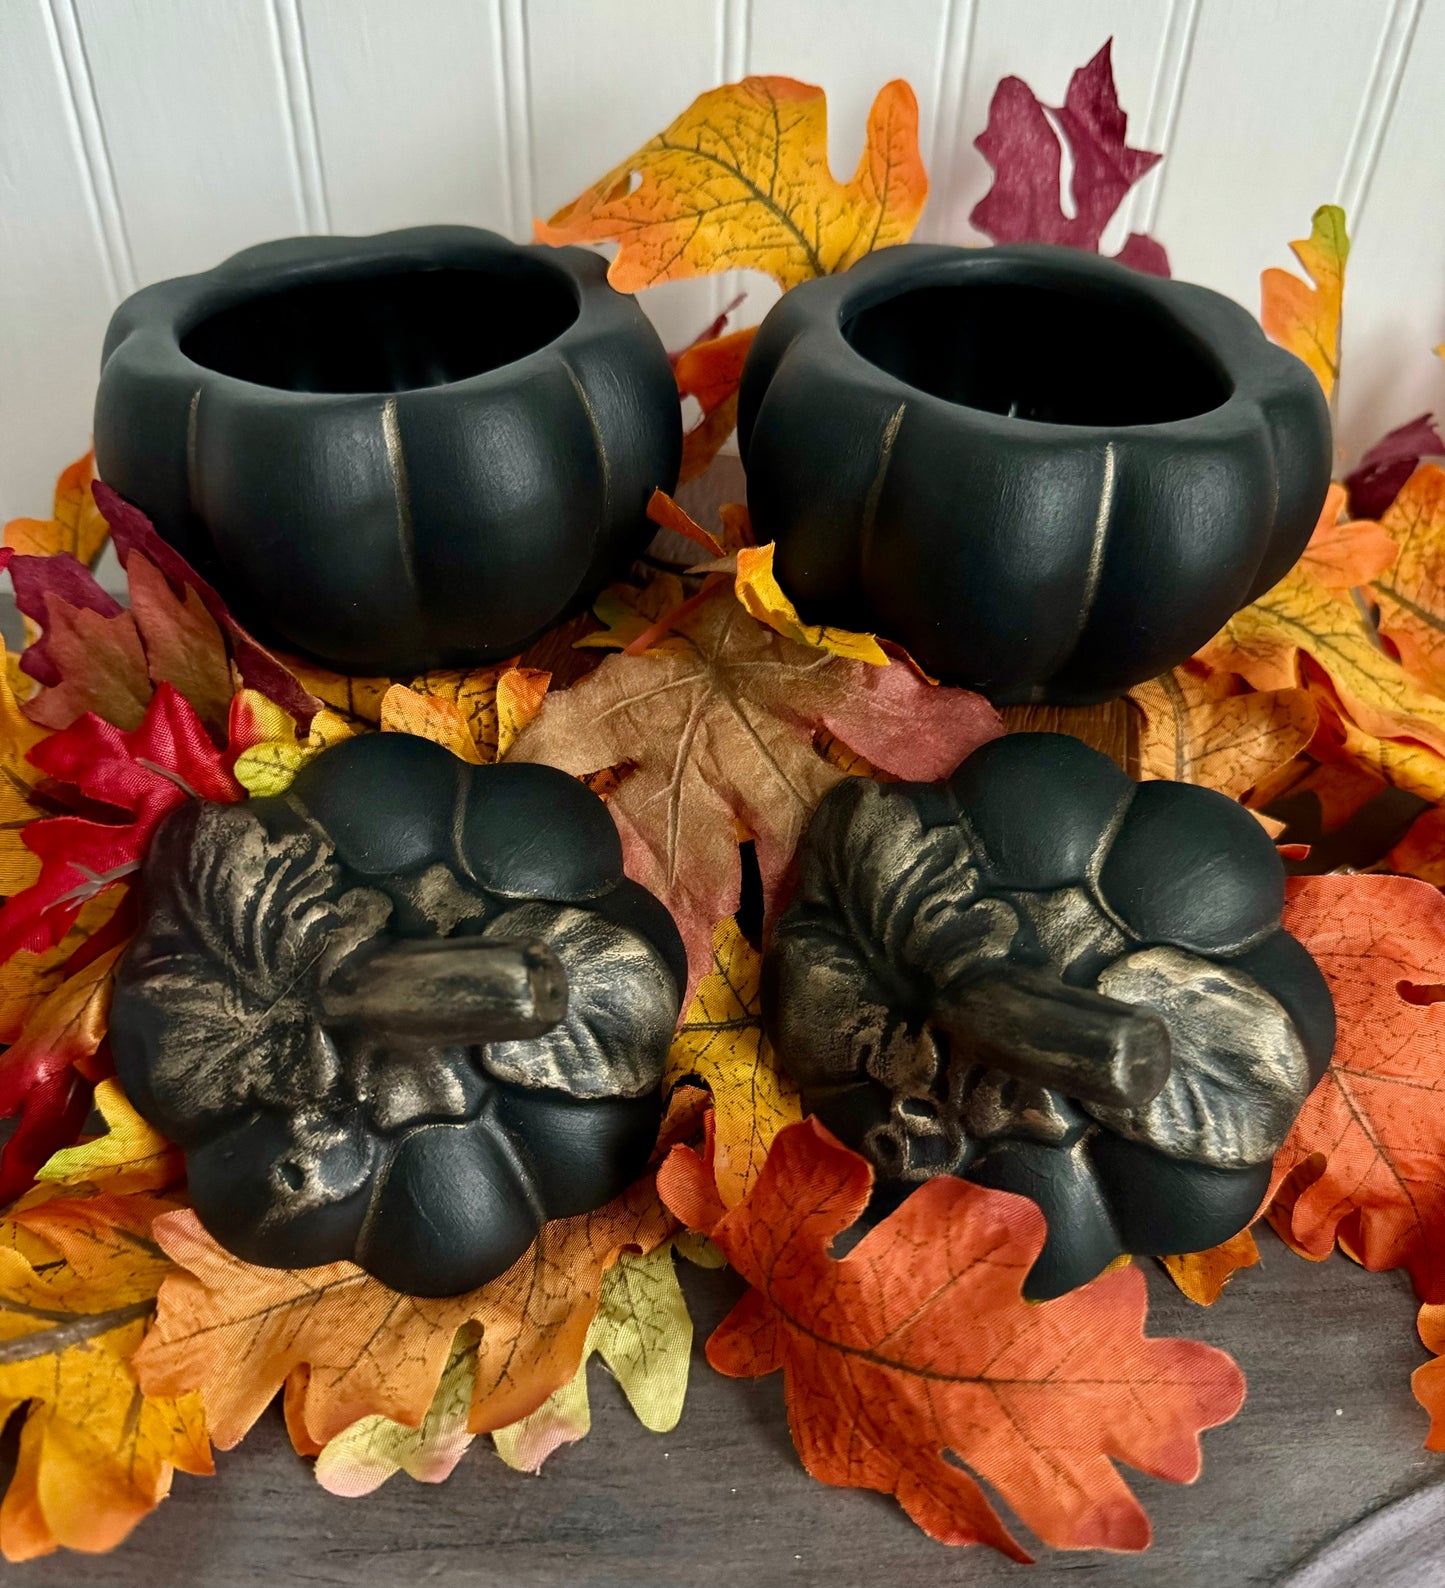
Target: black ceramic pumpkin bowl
[[1048, 476], [392, 453], [402, 1014], [1043, 977]]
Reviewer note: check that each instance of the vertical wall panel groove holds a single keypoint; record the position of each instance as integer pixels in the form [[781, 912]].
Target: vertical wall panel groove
[[1376, 108], [516, 89], [90, 131], [948, 131], [1156, 130], [306, 147]]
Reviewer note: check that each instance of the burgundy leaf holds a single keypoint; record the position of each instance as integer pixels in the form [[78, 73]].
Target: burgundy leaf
[[1379, 475]]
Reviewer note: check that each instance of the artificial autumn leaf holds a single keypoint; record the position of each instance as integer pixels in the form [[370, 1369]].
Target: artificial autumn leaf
[[628, 613], [96, 1453], [1344, 552], [1202, 1276], [1020, 143], [720, 735], [361, 1458], [710, 372], [721, 1043], [267, 749], [1411, 594], [1210, 731], [357, 700], [1305, 318], [643, 1333], [234, 1332], [1389, 721], [27, 979], [919, 1342], [75, 526], [19, 779], [1377, 1119], [132, 532], [1421, 852], [475, 714], [1377, 478], [131, 1156], [145, 773], [40, 1073], [1428, 1382], [763, 597], [740, 181]]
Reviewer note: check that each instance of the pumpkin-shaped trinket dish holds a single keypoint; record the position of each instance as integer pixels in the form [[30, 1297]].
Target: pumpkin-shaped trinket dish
[[402, 1014], [420, 449], [1043, 977], [1046, 475]]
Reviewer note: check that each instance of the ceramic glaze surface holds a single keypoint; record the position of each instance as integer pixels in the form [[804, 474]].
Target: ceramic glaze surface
[[392, 453], [1043, 977], [1048, 476], [402, 1014]]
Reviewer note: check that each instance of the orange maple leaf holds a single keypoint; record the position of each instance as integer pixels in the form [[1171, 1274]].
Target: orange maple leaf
[[235, 1333], [719, 730], [741, 181], [1344, 552], [1305, 318], [920, 1342], [711, 372], [1375, 1125]]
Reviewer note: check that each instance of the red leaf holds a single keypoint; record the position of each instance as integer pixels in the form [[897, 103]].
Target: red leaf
[[1379, 475], [1024, 204], [1376, 1122], [919, 1342], [132, 531], [144, 773]]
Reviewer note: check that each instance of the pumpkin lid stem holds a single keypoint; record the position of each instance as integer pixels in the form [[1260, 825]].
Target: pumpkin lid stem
[[1029, 1023], [451, 990]]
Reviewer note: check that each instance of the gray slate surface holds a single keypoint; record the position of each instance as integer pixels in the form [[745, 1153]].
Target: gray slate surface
[[1329, 1435]]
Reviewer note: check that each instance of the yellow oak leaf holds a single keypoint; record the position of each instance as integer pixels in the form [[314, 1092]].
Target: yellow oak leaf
[[722, 1044], [520, 692], [1389, 721], [475, 714], [405, 710], [643, 1332], [275, 751], [96, 1453], [234, 1332], [1202, 1276], [741, 181], [758, 589], [131, 1156], [75, 524], [1306, 318], [361, 1458], [356, 699], [1209, 730], [1411, 594]]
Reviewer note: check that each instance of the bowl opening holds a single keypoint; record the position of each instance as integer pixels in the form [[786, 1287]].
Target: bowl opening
[[1054, 354], [392, 332]]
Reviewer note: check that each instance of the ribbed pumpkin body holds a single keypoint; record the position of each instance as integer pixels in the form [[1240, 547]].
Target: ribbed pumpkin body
[[1048, 476], [391, 453], [312, 1136], [940, 931]]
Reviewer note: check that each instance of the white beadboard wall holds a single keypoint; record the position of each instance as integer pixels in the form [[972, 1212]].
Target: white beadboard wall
[[145, 138]]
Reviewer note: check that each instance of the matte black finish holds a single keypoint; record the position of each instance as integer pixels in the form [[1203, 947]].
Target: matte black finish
[[1048, 476], [414, 450], [1043, 977], [333, 1106]]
